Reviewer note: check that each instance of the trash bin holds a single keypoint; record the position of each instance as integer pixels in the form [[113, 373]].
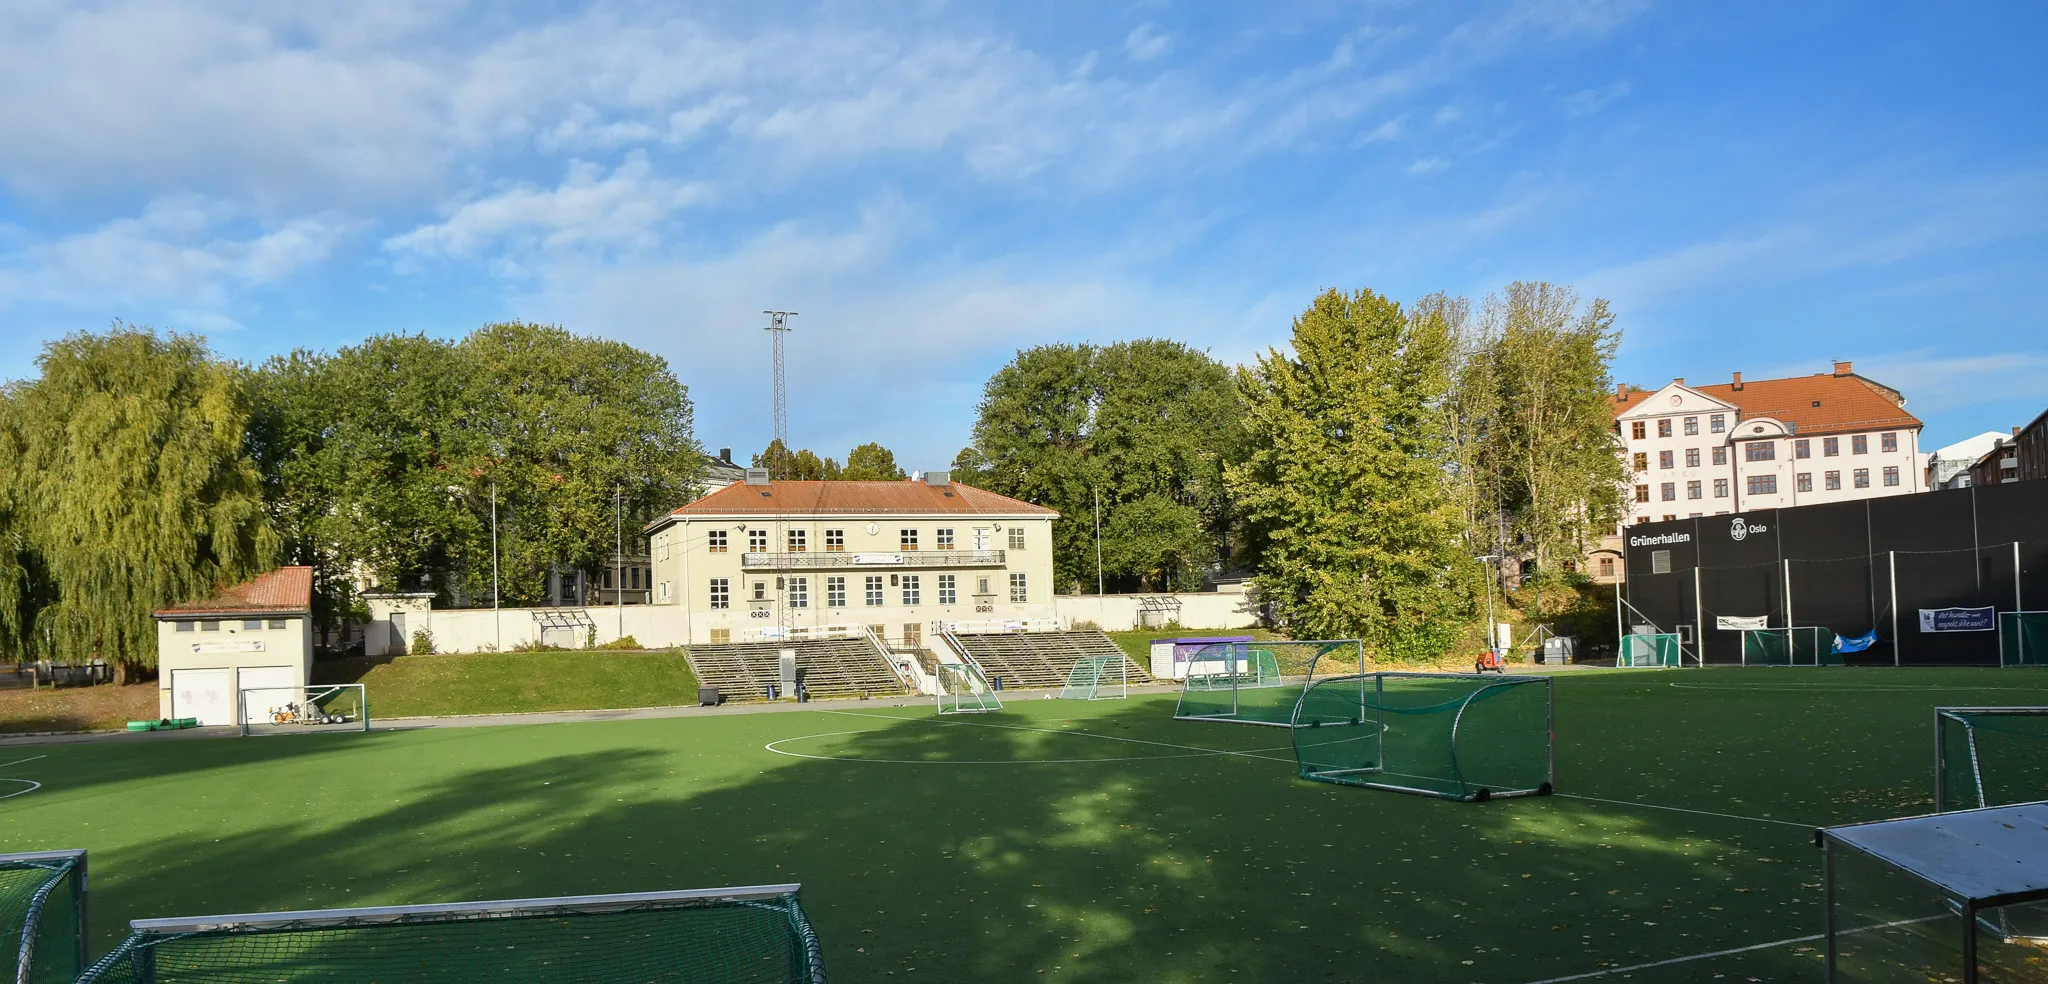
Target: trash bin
[[996, 683], [771, 691], [707, 697]]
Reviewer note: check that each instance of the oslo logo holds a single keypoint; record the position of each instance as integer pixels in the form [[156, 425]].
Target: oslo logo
[[1739, 529]]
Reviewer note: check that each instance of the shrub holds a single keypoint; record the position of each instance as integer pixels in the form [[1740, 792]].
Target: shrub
[[622, 642], [422, 643]]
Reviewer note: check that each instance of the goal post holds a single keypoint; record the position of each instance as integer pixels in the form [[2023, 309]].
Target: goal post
[[2023, 638], [1652, 650], [1800, 645], [1097, 677], [43, 928], [963, 690], [1260, 682], [1989, 756], [293, 710], [1460, 736], [753, 934]]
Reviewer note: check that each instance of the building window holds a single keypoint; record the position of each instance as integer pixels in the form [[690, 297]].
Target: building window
[[252, 623], [1888, 441], [1692, 457], [1763, 485], [1721, 455], [209, 626], [835, 541], [949, 589], [607, 578], [981, 587], [720, 637], [1830, 446], [1664, 427], [1859, 444], [278, 623], [1862, 478], [1692, 426], [664, 590], [1642, 461], [1668, 491], [1642, 493], [721, 592], [1832, 480], [1637, 431], [1692, 489], [1606, 567], [1720, 488], [714, 541], [186, 626], [907, 538], [912, 635], [1016, 538], [1760, 451], [757, 541], [874, 590], [911, 594], [636, 578], [1018, 594], [835, 592], [760, 591], [664, 548], [1717, 423], [1891, 474], [1664, 459], [799, 592], [1669, 517], [1802, 448], [942, 538], [1805, 482], [799, 541]]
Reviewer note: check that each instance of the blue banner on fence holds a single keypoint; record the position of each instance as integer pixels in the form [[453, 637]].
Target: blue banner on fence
[[1959, 619], [1856, 644]]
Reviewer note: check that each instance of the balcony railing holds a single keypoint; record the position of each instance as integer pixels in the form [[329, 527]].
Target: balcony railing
[[892, 560]]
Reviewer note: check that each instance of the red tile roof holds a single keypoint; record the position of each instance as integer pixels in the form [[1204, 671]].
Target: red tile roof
[[1823, 403], [853, 498], [283, 591]]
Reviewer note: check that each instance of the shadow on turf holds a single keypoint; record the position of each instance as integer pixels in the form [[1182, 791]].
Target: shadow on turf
[[1182, 869]]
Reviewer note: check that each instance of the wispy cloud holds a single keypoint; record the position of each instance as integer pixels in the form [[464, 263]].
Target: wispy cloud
[[1586, 102], [1145, 43], [589, 209]]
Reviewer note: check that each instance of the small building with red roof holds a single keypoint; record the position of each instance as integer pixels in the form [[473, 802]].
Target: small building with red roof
[[249, 644]]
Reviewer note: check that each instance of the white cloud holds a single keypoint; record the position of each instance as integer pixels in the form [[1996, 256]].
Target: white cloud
[[1586, 102], [588, 209], [1145, 43], [1427, 165], [1935, 381]]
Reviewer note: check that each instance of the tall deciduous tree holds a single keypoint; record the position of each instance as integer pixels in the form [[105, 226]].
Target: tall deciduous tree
[[1344, 488], [796, 466], [871, 462], [128, 486]]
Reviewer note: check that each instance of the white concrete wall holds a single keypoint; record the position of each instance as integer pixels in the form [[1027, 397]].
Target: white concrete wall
[[230, 645], [472, 630], [1222, 609]]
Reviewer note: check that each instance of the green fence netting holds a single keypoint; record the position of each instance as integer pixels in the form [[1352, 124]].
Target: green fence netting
[[1460, 736], [2023, 638], [42, 916], [1640, 650], [1990, 756], [1801, 645], [1259, 682]]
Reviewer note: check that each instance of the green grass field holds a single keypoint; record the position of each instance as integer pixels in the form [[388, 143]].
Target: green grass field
[[512, 683], [1099, 842]]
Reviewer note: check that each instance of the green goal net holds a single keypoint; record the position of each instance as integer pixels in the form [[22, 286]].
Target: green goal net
[[731, 936], [1461, 736], [963, 690], [1800, 645], [1096, 678], [1259, 682], [1640, 650], [2023, 638], [42, 916], [1989, 756]]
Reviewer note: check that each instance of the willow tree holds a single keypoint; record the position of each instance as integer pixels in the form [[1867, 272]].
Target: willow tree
[[128, 487]]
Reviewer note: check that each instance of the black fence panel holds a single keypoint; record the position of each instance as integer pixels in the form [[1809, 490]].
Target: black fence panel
[[1757, 590], [1938, 579], [1842, 595]]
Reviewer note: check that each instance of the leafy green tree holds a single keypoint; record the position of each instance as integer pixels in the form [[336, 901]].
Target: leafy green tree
[[1343, 490], [798, 466], [1142, 426], [127, 487], [871, 463]]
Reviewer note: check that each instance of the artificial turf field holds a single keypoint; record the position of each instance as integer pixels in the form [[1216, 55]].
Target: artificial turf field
[[1056, 840]]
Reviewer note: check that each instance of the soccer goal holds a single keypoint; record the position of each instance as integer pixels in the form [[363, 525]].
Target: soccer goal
[[1461, 736], [758, 934], [963, 690], [2023, 638], [42, 917], [1800, 645], [1097, 678], [1989, 756], [1259, 682], [291, 710], [1641, 650]]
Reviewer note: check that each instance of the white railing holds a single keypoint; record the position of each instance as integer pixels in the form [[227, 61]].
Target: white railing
[[820, 559], [799, 633], [996, 625]]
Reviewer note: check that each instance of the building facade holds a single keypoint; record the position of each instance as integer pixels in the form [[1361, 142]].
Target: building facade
[[2030, 449], [255, 638], [1725, 448], [898, 557], [1950, 467]]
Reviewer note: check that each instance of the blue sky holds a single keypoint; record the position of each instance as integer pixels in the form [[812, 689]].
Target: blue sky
[[1761, 187]]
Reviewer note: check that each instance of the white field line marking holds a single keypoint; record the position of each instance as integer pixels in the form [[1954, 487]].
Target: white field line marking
[[32, 787], [882, 761], [1085, 734], [1680, 809], [19, 761], [1832, 687], [1729, 953]]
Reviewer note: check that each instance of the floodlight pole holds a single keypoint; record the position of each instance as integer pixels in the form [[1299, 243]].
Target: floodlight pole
[[1488, 560], [619, 557], [497, 626], [1098, 537]]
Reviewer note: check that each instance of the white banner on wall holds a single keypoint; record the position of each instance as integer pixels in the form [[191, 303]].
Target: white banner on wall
[[1737, 622]]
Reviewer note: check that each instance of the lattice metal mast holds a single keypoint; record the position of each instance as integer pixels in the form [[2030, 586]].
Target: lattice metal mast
[[778, 329], [778, 326]]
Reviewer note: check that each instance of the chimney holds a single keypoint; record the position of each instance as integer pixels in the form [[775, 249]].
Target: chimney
[[1621, 392], [1680, 381], [757, 476], [2015, 432], [1842, 369], [725, 455], [1738, 382], [938, 479]]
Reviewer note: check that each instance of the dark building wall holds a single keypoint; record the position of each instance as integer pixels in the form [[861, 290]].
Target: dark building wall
[[2032, 445]]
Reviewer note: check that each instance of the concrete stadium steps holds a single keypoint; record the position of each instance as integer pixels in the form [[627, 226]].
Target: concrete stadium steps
[[743, 671], [1041, 659]]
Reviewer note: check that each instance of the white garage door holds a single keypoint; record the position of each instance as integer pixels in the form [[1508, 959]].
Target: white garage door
[[265, 688], [204, 694]]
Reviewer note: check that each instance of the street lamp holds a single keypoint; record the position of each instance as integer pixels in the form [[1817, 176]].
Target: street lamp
[[1488, 560]]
